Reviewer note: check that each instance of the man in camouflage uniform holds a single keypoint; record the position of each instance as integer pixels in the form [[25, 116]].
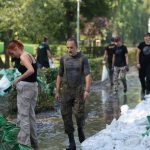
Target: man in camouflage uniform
[[74, 69]]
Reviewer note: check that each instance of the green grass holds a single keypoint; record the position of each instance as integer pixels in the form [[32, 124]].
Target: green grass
[[1, 47], [31, 48]]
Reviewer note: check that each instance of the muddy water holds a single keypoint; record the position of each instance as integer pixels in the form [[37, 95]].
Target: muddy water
[[101, 108]]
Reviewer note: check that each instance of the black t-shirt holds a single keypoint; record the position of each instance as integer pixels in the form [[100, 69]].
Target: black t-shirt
[[110, 50], [120, 59], [16, 61], [145, 53], [42, 57]]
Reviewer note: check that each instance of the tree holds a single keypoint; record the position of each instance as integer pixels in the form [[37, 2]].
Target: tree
[[11, 16], [129, 19]]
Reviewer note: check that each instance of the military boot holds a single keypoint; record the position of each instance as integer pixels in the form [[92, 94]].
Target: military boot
[[81, 135], [72, 144]]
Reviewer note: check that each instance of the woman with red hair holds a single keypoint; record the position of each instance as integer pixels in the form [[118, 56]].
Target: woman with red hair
[[27, 91]]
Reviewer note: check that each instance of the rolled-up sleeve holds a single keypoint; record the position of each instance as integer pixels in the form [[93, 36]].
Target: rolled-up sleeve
[[86, 68], [61, 68]]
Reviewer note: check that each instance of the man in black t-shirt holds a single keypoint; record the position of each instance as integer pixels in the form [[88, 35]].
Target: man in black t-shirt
[[120, 64], [108, 55], [43, 54], [143, 64]]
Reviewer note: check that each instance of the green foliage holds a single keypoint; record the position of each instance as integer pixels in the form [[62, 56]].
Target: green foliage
[[90, 9], [130, 19], [58, 50], [31, 48], [8, 136], [96, 68], [1, 47], [46, 80]]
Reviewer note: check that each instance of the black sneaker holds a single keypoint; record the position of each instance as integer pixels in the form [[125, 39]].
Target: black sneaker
[[72, 144], [142, 95]]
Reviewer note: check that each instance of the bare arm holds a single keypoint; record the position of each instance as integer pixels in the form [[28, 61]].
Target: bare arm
[[137, 58], [49, 54], [105, 56], [113, 60], [127, 59], [87, 85], [58, 82], [138, 55]]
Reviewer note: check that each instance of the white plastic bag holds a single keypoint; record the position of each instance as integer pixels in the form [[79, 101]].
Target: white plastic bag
[[51, 64], [4, 83], [104, 73]]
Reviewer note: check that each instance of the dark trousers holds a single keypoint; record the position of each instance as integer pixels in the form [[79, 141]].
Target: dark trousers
[[72, 101], [144, 76], [110, 71]]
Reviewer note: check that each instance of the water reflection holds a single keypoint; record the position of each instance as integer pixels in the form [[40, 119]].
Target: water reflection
[[101, 108]]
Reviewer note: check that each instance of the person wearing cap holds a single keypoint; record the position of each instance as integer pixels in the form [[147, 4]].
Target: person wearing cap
[[108, 55], [143, 64], [43, 54], [120, 64]]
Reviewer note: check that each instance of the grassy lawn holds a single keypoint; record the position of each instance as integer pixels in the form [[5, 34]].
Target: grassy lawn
[[31, 48]]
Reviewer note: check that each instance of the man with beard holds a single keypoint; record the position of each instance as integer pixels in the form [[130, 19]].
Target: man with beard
[[143, 64], [74, 70]]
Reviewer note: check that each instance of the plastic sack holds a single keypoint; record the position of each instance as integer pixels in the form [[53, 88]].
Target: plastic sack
[[2, 121], [4, 83], [51, 64], [10, 133], [21, 147], [5, 146], [104, 73], [147, 133]]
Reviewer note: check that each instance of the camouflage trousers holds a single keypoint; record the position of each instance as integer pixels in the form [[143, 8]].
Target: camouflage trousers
[[26, 100], [119, 74], [72, 102]]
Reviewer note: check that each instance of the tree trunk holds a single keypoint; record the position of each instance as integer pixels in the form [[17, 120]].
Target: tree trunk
[[1, 63], [7, 37]]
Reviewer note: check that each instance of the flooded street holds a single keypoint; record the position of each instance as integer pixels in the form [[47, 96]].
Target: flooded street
[[101, 108]]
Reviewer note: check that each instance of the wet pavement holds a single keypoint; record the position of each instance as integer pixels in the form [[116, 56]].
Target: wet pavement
[[101, 108]]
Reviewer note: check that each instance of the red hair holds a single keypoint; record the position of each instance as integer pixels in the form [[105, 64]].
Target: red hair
[[14, 44]]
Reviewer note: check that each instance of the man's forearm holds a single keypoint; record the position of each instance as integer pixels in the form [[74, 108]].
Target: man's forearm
[[88, 83], [137, 56], [58, 81], [113, 60], [127, 60]]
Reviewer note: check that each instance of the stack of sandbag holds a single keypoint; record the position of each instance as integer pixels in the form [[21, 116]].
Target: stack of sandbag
[[8, 136], [127, 133]]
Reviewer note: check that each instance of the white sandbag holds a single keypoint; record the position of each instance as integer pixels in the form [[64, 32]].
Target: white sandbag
[[51, 64], [104, 73], [4, 83]]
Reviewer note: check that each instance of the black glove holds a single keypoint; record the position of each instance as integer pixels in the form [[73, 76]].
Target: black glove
[[127, 67]]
